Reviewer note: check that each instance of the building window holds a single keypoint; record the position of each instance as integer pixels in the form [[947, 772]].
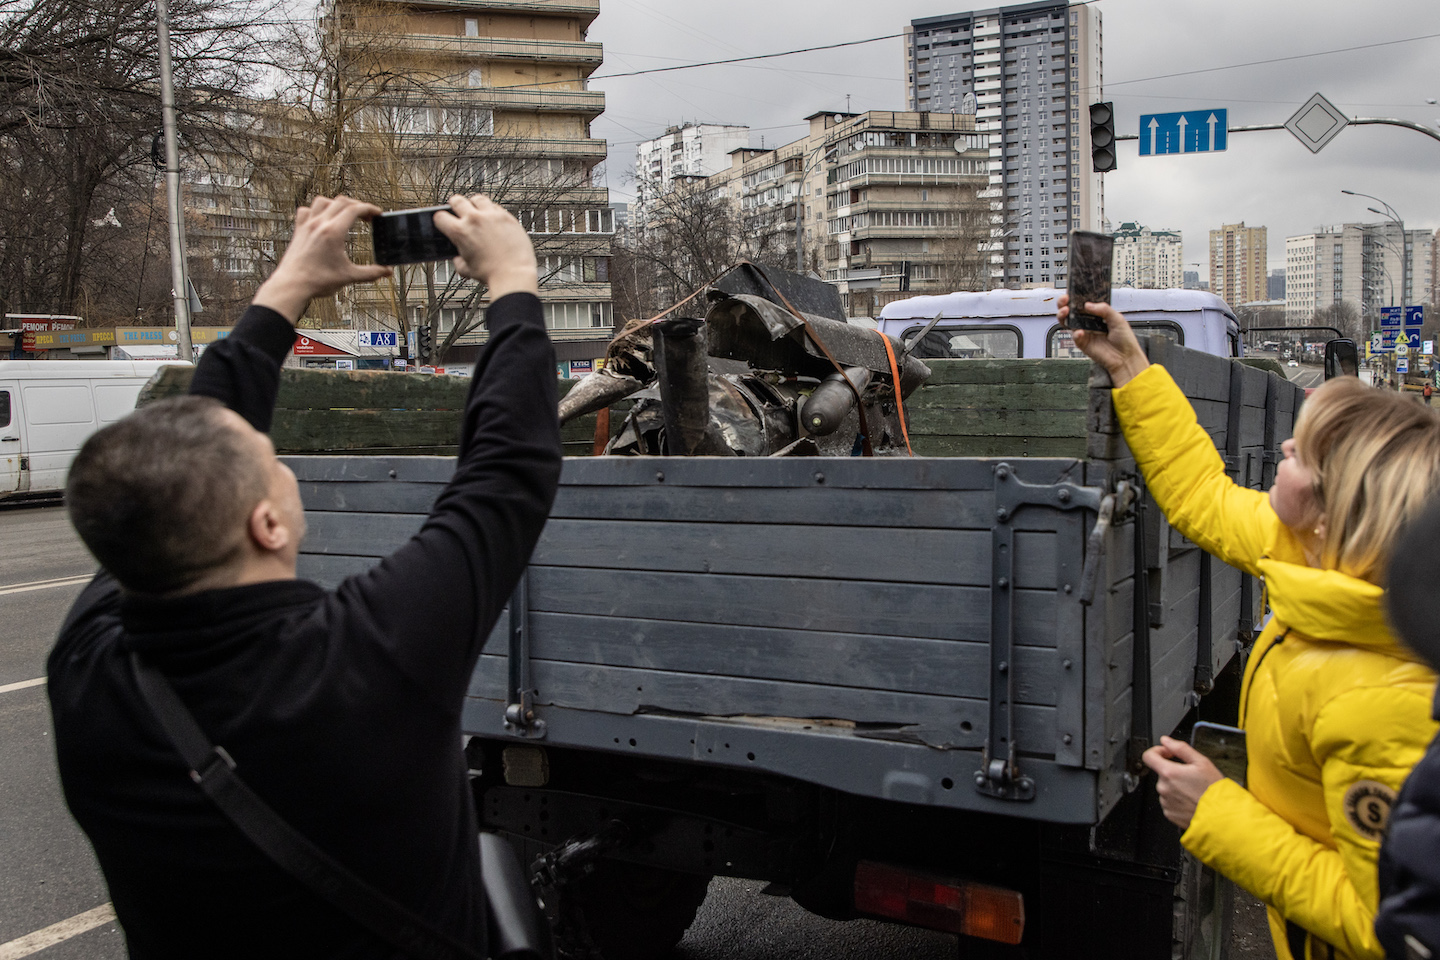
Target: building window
[[472, 27], [578, 316]]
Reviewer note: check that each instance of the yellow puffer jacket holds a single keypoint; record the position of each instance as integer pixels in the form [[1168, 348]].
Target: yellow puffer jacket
[[1336, 711]]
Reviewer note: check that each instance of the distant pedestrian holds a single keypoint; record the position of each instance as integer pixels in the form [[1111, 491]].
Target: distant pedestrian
[[1428, 392]]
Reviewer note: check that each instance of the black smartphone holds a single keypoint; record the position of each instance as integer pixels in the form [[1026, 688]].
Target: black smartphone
[[1225, 746], [410, 236], [1091, 256]]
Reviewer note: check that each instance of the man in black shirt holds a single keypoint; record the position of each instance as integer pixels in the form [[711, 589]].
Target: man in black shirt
[[341, 709]]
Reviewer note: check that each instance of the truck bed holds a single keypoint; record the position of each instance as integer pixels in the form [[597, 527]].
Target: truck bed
[[837, 620]]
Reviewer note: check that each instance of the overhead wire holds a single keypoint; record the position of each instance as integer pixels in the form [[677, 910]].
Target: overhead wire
[[747, 59], [1267, 60]]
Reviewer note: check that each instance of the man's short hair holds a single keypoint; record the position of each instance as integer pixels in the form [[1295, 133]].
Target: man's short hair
[[163, 496]]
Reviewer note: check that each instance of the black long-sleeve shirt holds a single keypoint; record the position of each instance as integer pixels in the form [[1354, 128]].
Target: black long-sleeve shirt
[[341, 709]]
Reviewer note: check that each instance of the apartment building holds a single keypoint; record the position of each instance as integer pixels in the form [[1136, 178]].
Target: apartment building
[[1359, 263], [1275, 285], [1147, 259], [687, 150], [485, 95], [1238, 267], [888, 203], [231, 228], [1028, 73], [1434, 273]]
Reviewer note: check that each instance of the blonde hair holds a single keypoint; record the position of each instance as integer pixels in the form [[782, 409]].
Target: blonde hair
[[1375, 459]]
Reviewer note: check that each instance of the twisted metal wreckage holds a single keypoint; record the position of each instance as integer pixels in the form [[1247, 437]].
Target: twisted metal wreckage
[[755, 377]]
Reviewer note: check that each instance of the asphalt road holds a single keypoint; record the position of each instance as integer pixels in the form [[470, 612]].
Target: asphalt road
[[48, 874], [1306, 375]]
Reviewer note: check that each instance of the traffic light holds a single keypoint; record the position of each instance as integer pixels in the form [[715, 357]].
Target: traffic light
[[1102, 137], [424, 344]]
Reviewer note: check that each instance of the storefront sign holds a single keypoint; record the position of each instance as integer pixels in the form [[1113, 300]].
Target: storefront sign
[[64, 339], [305, 347]]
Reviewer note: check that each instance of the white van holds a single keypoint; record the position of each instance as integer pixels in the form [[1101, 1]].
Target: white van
[[1021, 323], [49, 407]]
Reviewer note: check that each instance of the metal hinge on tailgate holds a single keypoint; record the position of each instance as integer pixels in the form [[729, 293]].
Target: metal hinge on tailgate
[[520, 718], [999, 775]]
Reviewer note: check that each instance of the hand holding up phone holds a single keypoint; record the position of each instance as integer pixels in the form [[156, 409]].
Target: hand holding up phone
[[494, 248], [1116, 350], [315, 263]]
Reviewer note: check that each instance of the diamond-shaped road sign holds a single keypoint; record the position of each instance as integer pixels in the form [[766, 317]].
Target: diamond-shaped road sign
[[1317, 123]]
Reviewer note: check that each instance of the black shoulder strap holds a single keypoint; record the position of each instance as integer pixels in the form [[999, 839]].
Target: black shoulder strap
[[214, 771]]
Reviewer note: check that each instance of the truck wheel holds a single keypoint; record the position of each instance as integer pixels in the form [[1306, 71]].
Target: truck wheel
[[625, 911], [1204, 913]]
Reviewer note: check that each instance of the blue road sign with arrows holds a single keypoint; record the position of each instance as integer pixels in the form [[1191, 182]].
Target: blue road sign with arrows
[[1396, 322], [1193, 131]]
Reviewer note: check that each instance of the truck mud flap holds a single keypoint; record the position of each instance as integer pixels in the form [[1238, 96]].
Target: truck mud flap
[[652, 835]]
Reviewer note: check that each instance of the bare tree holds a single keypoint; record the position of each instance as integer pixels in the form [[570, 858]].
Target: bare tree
[[691, 234], [79, 108], [1343, 315], [964, 247], [362, 114]]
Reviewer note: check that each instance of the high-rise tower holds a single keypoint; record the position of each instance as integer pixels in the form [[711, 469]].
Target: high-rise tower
[[1028, 72]]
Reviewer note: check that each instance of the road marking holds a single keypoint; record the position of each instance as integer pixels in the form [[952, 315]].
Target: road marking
[[22, 685], [46, 584], [57, 933]]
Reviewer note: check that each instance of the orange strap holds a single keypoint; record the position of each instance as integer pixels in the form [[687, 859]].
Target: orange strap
[[865, 446], [602, 430], [899, 403]]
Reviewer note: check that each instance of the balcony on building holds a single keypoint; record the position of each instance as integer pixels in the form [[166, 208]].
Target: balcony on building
[[584, 10], [585, 54], [587, 103], [538, 148]]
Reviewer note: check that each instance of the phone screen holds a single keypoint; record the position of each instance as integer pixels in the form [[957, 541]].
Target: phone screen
[[1225, 746], [1091, 256], [410, 236]]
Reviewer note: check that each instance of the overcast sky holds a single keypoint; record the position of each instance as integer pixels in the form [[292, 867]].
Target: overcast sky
[[1265, 178]]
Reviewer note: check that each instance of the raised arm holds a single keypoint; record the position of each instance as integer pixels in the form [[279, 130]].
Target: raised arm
[[429, 606], [243, 370], [1182, 469]]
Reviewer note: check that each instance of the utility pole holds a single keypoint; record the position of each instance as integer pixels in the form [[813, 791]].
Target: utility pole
[[179, 275]]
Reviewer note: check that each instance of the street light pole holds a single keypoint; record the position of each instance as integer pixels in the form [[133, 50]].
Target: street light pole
[[179, 277], [1390, 214], [807, 163]]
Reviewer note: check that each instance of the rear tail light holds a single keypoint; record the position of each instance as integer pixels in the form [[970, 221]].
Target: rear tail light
[[972, 909]]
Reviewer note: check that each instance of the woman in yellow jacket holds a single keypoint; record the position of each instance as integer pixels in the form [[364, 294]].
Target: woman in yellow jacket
[[1336, 711]]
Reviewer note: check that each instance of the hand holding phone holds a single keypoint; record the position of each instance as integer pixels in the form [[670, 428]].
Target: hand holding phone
[[494, 247], [315, 263], [410, 236], [1090, 257], [1182, 775]]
